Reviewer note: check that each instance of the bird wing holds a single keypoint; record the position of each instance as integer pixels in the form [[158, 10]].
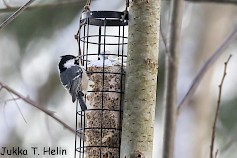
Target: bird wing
[[68, 75], [75, 87], [71, 79]]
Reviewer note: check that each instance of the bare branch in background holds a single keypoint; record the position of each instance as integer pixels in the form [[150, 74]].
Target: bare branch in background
[[218, 110], [164, 39], [15, 14], [51, 5], [41, 108], [216, 153], [6, 4], [205, 68], [13, 99], [9, 100], [171, 73]]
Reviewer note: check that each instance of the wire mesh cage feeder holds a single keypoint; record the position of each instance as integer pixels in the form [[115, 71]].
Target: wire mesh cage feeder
[[102, 44]]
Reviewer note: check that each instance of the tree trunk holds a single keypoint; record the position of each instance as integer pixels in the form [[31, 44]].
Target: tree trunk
[[171, 75], [141, 79]]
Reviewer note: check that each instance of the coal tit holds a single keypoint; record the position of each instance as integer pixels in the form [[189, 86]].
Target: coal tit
[[74, 78]]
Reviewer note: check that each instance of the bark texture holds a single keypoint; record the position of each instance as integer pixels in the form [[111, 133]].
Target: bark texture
[[141, 79]]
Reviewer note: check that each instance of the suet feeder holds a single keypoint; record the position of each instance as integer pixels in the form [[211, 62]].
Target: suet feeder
[[102, 40]]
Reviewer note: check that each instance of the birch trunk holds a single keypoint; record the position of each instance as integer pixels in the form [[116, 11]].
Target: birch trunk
[[141, 79]]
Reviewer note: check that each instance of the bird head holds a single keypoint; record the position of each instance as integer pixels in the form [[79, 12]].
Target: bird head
[[67, 61]]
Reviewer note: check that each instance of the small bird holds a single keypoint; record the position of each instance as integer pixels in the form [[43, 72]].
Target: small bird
[[74, 78]]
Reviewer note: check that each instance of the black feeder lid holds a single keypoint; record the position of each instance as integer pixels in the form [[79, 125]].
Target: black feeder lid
[[104, 18]]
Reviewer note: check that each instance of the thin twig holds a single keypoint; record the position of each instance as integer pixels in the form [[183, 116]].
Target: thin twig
[[17, 107], [205, 68], [164, 39], [4, 115], [6, 4], [41, 108], [216, 154], [218, 109], [14, 15], [9, 100], [50, 5]]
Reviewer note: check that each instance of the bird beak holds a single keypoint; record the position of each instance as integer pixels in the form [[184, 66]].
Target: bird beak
[[77, 59]]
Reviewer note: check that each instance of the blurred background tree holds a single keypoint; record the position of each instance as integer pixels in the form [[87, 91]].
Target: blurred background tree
[[30, 48]]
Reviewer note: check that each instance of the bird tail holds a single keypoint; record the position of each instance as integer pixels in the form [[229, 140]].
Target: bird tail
[[81, 101]]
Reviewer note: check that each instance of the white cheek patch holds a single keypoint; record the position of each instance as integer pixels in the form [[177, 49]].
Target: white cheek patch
[[69, 63]]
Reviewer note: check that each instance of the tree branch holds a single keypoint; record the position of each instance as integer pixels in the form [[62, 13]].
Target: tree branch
[[6, 4], [18, 10], [52, 5], [216, 154], [218, 110], [167, 52], [205, 68], [164, 40], [14, 15], [41, 108], [176, 14], [13, 99]]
